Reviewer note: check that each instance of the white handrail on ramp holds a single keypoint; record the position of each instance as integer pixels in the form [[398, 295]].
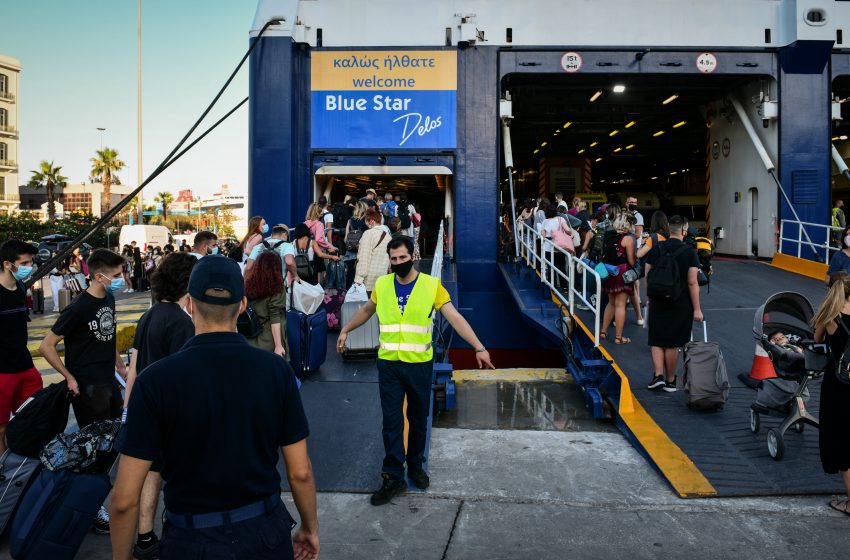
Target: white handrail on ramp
[[437, 263], [576, 272], [818, 231]]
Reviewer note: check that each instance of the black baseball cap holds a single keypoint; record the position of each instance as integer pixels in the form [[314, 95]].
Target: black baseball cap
[[216, 272]]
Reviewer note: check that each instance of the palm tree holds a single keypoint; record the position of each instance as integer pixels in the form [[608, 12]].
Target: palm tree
[[104, 167], [165, 198], [48, 176]]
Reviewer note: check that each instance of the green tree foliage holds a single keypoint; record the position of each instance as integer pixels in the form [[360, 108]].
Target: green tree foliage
[[27, 226], [48, 176], [105, 166], [164, 198]]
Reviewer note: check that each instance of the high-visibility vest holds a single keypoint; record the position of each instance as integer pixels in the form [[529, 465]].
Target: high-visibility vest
[[835, 222], [407, 337]]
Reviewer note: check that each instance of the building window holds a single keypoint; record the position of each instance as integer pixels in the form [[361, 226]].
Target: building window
[[2, 186], [4, 151], [4, 117], [4, 83], [77, 201]]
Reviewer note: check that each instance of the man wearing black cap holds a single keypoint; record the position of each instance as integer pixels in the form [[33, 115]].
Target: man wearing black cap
[[215, 415]]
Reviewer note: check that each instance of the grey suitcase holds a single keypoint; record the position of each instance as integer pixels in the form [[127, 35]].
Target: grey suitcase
[[363, 341], [704, 378], [16, 471], [64, 299]]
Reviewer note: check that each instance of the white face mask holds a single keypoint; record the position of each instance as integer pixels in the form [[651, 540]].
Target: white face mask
[[847, 240]]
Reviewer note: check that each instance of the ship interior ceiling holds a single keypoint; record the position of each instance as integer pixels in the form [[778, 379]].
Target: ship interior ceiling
[[639, 133], [841, 133], [426, 192]]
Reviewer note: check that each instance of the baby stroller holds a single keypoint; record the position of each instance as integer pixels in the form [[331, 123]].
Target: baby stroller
[[791, 313]]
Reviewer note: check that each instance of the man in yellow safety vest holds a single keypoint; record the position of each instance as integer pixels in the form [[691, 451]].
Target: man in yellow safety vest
[[405, 302], [838, 221]]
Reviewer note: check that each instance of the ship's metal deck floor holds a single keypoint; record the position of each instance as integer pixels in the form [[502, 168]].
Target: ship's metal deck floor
[[720, 444]]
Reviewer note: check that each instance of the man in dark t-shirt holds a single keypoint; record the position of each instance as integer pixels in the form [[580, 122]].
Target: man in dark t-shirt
[[671, 322], [162, 331], [19, 379], [91, 356], [217, 414]]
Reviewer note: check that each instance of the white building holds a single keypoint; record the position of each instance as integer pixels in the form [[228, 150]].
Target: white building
[[84, 197], [236, 203], [10, 71]]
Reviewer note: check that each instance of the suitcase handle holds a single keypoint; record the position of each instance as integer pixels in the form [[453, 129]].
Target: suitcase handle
[[704, 331]]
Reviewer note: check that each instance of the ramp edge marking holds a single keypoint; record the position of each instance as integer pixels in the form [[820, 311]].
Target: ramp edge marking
[[803, 267], [512, 375], [682, 474]]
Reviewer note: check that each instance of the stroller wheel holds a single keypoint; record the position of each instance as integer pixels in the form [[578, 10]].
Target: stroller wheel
[[775, 444], [799, 427], [755, 421]]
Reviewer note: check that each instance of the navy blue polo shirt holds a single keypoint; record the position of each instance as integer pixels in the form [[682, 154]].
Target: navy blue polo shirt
[[217, 413]]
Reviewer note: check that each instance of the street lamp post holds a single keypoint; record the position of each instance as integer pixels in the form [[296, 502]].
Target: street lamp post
[[102, 130], [139, 200]]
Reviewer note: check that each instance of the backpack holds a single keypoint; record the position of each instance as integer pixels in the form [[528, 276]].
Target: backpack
[[269, 247], [88, 450], [304, 265], [341, 213], [248, 324], [38, 420], [842, 362], [236, 253], [664, 281], [353, 241], [404, 215], [596, 251]]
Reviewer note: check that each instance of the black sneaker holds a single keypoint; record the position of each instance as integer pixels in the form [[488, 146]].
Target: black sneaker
[[670, 386], [419, 477], [391, 488], [148, 550], [101, 522], [656, 383]]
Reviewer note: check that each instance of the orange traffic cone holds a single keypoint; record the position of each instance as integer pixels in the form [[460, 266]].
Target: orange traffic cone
[[762, 366]]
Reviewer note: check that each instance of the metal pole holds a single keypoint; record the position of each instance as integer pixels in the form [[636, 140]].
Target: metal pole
[[509, 166], [839, 162], [139, 200]]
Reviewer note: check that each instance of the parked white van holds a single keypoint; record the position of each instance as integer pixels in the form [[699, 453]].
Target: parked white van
[[145, 236]]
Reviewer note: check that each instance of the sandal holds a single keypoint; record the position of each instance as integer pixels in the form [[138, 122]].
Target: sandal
[[625, 340], [603, 335], [842, 506]]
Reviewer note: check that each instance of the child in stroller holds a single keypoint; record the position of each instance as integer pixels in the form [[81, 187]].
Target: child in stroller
[[786, 316]]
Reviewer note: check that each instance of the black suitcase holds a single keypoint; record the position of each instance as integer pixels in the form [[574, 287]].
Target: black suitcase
[[37, 300]]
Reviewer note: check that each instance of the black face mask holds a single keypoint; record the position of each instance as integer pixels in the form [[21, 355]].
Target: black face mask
[[632, 207], [402, 269]]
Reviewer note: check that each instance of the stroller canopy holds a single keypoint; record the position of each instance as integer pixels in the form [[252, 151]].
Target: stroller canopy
[[788, 312]]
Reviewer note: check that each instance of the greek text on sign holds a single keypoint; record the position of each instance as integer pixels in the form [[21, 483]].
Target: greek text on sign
[[706, 63], [571, 62], [383, 99]]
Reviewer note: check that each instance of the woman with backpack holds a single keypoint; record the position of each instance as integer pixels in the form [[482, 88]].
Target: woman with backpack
[[373, 260], [558, 233], [257, 228], [314, 221], [267, 298], [307, 252], [354, 230], [619, 251]]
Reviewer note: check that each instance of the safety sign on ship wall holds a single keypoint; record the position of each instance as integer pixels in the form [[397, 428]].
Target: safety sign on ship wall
[[383, 99]]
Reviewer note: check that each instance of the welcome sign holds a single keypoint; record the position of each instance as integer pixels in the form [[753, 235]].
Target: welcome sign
[[383, 99]]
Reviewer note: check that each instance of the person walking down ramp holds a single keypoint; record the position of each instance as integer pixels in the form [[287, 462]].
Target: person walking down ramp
[[405, 302]]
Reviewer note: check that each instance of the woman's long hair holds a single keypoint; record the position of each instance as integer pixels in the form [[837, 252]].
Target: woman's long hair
[[830, 309], [253, 229], [313, 212], [658, 224], [266, 276], [360, 210]]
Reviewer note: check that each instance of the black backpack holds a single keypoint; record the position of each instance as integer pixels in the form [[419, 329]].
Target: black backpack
[[236, 253], [341, 212], [38, 420], [248, 324], [304, 265], [404, 215], [596, 251], [664, 281]]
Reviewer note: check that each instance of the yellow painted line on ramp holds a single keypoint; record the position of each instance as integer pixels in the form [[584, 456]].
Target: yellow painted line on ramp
[[513, 375]]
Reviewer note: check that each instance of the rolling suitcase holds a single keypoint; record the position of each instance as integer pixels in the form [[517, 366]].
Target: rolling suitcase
[[56, 514], [308, 340], [38, 300], [704, 375], [16, 472], [64, 299], [363, 341]]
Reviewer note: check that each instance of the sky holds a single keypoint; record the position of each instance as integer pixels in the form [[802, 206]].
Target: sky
[[78, 73]]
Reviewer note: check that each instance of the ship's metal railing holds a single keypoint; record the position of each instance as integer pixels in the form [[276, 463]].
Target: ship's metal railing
[[583, 284], [807, 234]]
